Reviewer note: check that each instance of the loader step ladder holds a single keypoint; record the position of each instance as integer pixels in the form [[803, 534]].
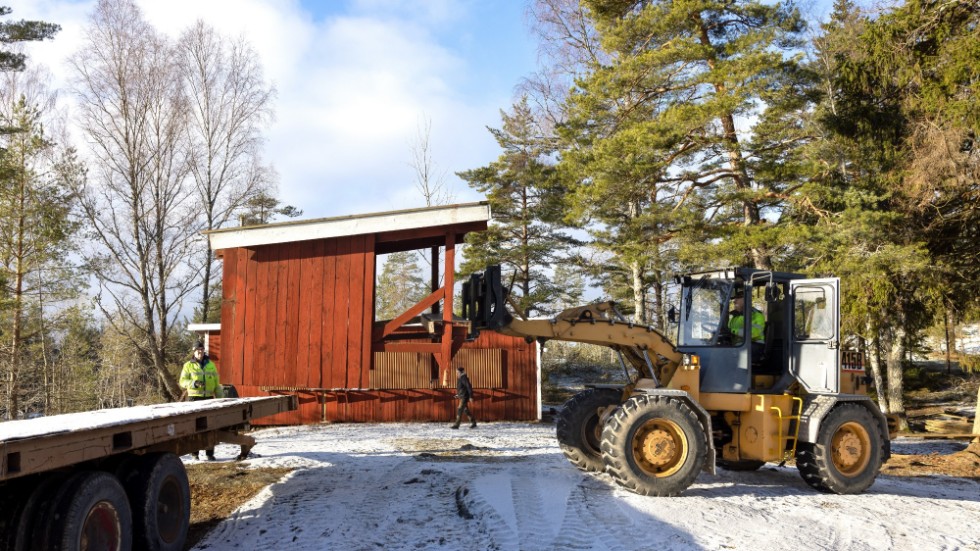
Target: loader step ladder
[[792, 435]]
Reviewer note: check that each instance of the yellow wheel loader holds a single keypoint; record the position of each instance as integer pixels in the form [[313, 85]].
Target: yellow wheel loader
[[757, 374]]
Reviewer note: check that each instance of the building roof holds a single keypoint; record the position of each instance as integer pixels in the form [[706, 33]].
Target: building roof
[[343, 226], [203, 327]]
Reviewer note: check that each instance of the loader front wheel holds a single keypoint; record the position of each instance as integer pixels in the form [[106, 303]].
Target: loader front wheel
[[579, 427], [847, 454], [654, 445]]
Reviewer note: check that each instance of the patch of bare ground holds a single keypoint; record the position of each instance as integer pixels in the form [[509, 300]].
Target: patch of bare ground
[[962, 464], [217, 489]]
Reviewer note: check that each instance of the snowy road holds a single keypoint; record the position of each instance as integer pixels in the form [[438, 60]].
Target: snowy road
[[507, 486]]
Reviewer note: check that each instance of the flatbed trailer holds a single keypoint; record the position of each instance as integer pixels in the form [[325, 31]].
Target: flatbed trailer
[[112, 479]]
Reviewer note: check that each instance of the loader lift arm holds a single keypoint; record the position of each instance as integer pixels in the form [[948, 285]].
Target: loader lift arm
[[646, 349]]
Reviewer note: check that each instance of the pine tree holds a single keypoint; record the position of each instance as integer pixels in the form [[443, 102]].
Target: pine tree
[[37, 230], [525, 200], [900, 162], [12, 32], [686, 84]]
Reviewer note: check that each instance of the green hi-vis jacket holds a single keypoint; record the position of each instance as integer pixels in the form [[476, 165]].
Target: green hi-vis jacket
[[201, 382], [737, 324]]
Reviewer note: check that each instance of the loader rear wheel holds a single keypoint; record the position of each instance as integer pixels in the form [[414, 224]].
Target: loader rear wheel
[[847, 455], [654, 445], [579, 427]]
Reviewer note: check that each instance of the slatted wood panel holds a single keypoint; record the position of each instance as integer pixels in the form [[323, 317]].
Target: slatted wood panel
[[299, 317], [401, 370], [413, 370]]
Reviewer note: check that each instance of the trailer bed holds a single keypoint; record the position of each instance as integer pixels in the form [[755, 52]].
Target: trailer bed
[[46, 443]]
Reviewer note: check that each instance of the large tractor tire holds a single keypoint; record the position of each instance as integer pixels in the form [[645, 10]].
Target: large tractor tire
[[580, 429], [654, 445], [92, 514], [160, 496], [847, 455]]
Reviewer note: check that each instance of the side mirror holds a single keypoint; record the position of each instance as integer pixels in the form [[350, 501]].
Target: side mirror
[[672, 315], [772, 292]]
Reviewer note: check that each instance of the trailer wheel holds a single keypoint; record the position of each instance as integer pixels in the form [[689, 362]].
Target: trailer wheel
[[161, 499], [847, 455], [654, 445], [579, 429], [92, 514], [21, 500]]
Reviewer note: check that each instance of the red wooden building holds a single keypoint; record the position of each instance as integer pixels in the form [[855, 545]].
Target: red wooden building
[[298, 317]]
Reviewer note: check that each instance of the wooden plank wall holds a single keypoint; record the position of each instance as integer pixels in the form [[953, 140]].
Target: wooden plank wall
[[299, 316], [292, 312]]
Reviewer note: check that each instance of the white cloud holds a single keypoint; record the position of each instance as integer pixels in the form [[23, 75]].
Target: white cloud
[[352, 88]]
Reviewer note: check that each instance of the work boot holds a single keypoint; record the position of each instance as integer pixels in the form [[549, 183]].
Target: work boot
[[473, 425], [456, 426]]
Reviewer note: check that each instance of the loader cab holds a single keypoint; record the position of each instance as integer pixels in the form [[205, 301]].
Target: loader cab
[[760, 331]]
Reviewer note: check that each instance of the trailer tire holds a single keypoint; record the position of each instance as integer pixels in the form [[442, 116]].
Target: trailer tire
[[579, 429], [22, 500], [847, 454], [160, 496], [11, 507], [654, 445], [36, 507], [92, 509]]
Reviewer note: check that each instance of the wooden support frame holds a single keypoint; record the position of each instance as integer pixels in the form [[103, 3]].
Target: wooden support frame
[[446, 337]]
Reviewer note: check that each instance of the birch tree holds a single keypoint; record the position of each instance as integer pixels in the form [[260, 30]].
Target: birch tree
[[139, 207], [230, 104]]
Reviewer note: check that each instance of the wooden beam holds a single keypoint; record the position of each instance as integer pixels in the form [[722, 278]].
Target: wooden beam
[[401, 320], [431, 348]]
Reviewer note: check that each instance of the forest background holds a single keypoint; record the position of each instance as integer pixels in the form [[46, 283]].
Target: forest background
[[658, 137]]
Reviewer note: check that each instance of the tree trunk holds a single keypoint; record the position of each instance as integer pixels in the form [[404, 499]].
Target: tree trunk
[[639, 298], [206, 298], [736, 161], [895, 347], [874, 361]]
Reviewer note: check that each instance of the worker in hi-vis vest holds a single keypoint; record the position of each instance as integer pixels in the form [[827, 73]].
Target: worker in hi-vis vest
[[737, 326], [200, 379]]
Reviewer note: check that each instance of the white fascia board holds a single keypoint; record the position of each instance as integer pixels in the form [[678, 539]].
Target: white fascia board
[[345, 226], [204, 327]]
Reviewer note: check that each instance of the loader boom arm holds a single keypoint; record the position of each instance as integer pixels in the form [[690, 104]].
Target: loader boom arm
[[646, 349]]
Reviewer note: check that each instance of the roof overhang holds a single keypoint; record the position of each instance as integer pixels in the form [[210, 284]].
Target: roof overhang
[[344, 226], [204, 327]]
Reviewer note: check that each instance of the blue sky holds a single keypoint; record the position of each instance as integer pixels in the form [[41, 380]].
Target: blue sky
[[356, 80]]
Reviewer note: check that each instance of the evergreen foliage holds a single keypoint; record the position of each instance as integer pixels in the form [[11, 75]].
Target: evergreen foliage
[[400, 285], [525, 198], [13, 32]]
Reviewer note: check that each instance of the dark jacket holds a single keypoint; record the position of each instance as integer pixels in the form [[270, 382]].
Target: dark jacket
[[464, 390]]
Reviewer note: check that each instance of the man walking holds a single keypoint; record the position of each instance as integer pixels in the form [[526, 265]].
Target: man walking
[[464, 391]]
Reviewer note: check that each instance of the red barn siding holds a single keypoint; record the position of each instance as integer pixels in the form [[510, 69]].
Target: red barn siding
[[214, 349], [298, 318]]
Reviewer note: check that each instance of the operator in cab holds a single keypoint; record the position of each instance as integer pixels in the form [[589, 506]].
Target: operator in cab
[[736, 324]]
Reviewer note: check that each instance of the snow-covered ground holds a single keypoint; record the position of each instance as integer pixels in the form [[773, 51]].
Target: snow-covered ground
[[507, 486]]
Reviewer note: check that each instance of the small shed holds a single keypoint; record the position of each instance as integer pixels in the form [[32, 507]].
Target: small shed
[[298, 317]]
